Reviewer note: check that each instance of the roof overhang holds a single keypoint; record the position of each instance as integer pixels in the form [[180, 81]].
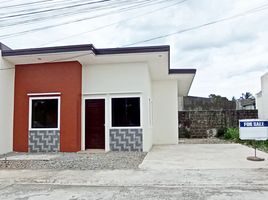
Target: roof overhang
[[157, 58], [185, 79], [259, 94]]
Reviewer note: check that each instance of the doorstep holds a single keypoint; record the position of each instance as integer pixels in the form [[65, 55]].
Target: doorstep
[[92, 151], [27, 156]]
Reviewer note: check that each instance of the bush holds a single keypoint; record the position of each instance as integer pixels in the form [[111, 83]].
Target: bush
[[231, 134]]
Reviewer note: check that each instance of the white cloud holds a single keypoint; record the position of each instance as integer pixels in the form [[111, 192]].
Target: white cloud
[[230, 56]]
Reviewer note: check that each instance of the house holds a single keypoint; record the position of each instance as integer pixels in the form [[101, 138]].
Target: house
[[72, 98], [262, 98], [246, 104]]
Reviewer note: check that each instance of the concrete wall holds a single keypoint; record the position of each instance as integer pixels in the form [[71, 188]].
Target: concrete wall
[[264, 105], [120, 80], [6, 105], [165, 112], [203, 124], [202, 103]]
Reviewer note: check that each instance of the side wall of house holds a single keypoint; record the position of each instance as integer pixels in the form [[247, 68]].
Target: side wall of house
[[259, 105], [6, 105], [264, 99], [120, 80], [165, 112], [62, 77]]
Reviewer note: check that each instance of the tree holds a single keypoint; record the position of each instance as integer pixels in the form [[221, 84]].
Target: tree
[[234, 99], [214, 96], [247, 95], [217, 98]]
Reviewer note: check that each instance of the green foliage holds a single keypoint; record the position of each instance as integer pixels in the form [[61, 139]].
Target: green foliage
[[231, 134], [214, 96], [217, 98], [261, 145]]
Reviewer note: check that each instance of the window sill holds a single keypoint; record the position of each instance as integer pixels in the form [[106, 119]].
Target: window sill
[[126, 127], [44, 129]]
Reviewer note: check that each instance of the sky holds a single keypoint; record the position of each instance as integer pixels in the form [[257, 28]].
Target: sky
[[225, 40]]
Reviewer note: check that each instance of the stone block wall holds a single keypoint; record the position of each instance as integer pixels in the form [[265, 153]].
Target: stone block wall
[[203, 124], [202, 103]]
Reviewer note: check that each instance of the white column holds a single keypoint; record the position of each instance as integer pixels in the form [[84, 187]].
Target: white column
[[7, 74]]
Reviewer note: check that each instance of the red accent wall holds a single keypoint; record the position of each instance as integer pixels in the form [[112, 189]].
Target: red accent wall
[[63, 77]]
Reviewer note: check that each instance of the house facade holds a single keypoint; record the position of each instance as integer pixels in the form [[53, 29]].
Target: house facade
[[72, 98], [262, 98]]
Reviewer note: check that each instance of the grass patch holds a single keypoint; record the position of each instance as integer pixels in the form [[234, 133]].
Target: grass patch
[[232, 134], [261, 145]]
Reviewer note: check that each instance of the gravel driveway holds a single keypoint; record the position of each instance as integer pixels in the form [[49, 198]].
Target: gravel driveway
[[84, 161], [77, 161]]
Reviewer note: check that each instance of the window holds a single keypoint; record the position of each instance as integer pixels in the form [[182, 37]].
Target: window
[[126, 112], [44, 113]]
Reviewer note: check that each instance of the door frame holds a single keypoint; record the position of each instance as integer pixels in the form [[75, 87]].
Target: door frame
[[106, 132]]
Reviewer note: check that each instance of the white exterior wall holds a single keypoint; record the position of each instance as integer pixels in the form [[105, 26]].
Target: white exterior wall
[[114, 80], [259, 105], [180, 103], [165, 112], [263, 108], [6, 106]]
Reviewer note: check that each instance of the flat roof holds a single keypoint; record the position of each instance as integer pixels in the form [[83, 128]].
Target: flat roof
[[6, 52], [83, 47]]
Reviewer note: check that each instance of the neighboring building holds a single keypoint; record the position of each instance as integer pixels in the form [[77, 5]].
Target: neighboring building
[[246, 104], [192, 103], [73, 98], [262, 98]]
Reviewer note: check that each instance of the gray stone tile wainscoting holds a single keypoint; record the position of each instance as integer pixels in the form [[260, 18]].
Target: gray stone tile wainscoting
[[126, 139], [44, 141]]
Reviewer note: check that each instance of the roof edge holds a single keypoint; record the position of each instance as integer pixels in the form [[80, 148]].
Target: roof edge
[[259, 94], [6, 51], [141, 49], [57, 49], [4, 47], [191, 83], [182, 71]]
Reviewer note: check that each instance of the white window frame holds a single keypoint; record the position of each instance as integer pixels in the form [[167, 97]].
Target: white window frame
[[30, 111], [111, 111]]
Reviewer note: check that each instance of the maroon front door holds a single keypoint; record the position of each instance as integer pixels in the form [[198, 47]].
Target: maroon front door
[[94, 122]]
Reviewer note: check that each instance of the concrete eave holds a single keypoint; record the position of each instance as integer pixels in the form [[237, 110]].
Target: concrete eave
[[157, 58]]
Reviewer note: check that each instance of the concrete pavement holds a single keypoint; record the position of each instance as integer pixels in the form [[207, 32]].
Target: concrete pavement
[[202, 156], [135, 184], [161, 176]]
